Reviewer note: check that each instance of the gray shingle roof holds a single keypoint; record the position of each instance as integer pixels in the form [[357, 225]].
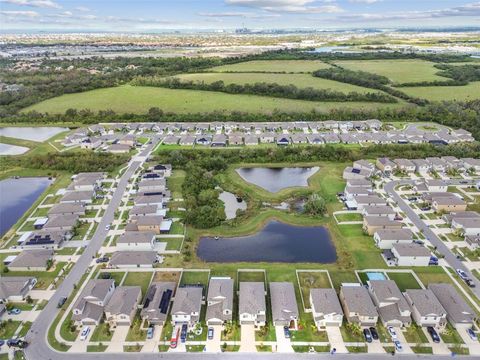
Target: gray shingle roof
[[220, 298], [458, 311], [252, 297], [359, 301], [284, 302], [32, 258], [325, 301], [123, 300], [187, 300], [425, 301], [133, 258]]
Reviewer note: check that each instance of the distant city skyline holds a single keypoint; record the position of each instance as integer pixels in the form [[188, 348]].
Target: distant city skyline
[[151, 16]]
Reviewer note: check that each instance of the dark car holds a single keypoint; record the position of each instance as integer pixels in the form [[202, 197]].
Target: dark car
[[183, 333], [103, 259], [2, 342], [106, 276], [62, 301], [17, 343], [367, 335], [433, 334], [374, 333], [470, 283], [286, 332]]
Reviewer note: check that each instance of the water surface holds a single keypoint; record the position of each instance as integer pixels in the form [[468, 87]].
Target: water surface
[[276, 242], [7, 149], [39, 134], [276, 179], [17, 196]]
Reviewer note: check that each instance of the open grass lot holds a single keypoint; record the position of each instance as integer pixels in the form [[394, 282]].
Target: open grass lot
[[141, 279], [398, 71], [288, 66], [138, 99], [440, 93], [194, 277], [404, 280], [299, 80], [175, 182]]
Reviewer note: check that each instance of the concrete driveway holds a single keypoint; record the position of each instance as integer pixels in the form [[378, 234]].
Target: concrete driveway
[[247, 339], [335, 339], [119, 335], [473, 345], [181, 347], [406, 349], [214, 345], [437, 348], [81, 345], [284, 345], [151, 345]]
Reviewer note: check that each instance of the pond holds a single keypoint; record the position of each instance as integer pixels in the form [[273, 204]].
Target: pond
[[39, 134], [274, 179], [17, 196], [231, 204], [276, 242], [7, 149]]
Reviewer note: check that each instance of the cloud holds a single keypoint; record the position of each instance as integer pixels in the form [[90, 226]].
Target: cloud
[[287, 6], [364, 1], [49, 4], [20, 14], [237, 14], [83, 9]]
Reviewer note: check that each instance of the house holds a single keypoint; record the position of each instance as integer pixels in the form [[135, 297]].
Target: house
[[157, 302], [405, 165], [299, 139], [326, 308], [471, 164], [61, 223], [150, 224], [252, 309], [32, 260], [435, 185], [267, 137], [283, 140], [448, 204], [219, 301], [422, 166], [467, 226], [15, 288], [437, 164], [364, 165], [358, 305], [145, 210], [133, 259], [473, 242], [162, 169], [284, 304], [219, 140], [369, 200], [128, 140], [359, 183], [354, 191], [122, 306], [157, 200], [387, 238], [411, 254], [67, 209], [386, 165], [187, 306], [78, 197], [330, 138], [87, 181], [315, 139], [425, 307], [459, 313], [88, 308], [251, 140], [203, 140], [156, 184], [173, 140], [371, 224], [354, 173], [235, 139], [382, 210], [119, 149], [44, 239], [136, 241], [392, 307]]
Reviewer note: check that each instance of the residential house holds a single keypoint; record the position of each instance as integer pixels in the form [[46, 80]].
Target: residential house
[[392, 307], [15, 288], [425, 307], [252, 307], [369, 200], [473, 241], [467, 226], [364, 165], [219, 140], [133, 259], [355, 173], [157, 302], [119, 149], [422, 166], [145, 210], [386, 165], [67, 209], [32, 260], [358, 305], [411, 254], [284, 304], [251, 140], [43, 239], [382, 210], [219, 301], [448, 204], [187, 306], [435, 185], [88, 308], [136, 241], [61, 223], [371, 224], [78, 197], [326, 308], [405, 165], [123, 305], [387, 238], [359, 183]]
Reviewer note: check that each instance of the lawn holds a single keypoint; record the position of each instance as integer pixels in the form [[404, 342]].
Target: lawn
[[195, 277], [467, 92], [141, 279], [398, 71], [135, 333], [174, 183], [299, 80], [138, 99], [404, 280], [8, 329], [311, 280], [102, 333], [174, 243], [288, 66], [349, 217], [414, 334]]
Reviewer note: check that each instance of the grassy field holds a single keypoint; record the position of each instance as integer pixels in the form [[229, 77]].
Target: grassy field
[[138, 99], [288, 66], [299, 80], [440, 93], [398, 71]]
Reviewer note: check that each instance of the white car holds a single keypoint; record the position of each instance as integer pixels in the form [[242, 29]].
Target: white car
[[462, 274], [392, 332], [84, 333], [107, 227]]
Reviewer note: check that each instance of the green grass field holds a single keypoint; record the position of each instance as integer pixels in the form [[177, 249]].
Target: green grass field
[[289, 66], [299, 80], [440, 93], [138, 99], [398, 71]]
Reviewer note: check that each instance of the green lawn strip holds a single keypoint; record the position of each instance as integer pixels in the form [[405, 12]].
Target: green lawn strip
[[414, 334], [174, 243], [115, 275], [404, 280], [311, 280], [251, 276], [177, 228], [357, 349], [450, 335], [132, 348], [96, 348], [141, 279], [273, 66], [264, 348], [66, 251], [136, 333], [195, 348], [195, 277], [102, 332], [174, 183], [68, 331], [422, 349], [459, 350], [350, 333], [349, 217], [8, 328]]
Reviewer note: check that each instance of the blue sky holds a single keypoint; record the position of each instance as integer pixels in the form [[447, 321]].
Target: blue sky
[[155, 15]]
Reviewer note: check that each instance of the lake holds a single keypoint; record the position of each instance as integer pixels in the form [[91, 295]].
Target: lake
[[7, 149], [275, 179], [39, 134], [276, 242], [231, 204], [17, 196]]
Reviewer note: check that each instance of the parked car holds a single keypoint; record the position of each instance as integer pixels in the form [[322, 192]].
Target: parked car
[[463, 275], [102, 259], [210, 333], [374, 333], [2, 342], [150, 332], [16, 342], [183, 333], [286, 332], [84, 333], [174, 339], [367, 335], [470, 283], [472, 334], [14, 311], [426, 208], [433, 334], [398, 345], [62, 301], [105, 275], [463, 181], [107, 227], [392, 332]]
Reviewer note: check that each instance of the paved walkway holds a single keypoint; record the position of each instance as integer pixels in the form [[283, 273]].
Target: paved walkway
[[336, 339], [214, 345], [283, 344], [119, 335], [437, 348], [247, 338], [151, 345]]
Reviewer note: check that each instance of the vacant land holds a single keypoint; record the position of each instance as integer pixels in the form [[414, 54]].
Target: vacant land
[[440, 93], [289, 66], [299, 80], [138, 99], [398, 71]]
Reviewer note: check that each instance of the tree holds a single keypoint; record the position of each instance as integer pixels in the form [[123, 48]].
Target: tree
[[315, 205]]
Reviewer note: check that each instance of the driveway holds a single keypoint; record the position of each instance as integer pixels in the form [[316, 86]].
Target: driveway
[[473, 345], [80, 346], [214, 345], [119, 335], [181, 347], [406, 349], [151, 345], [437, 348], [335, 339], [247, 339], [283, 344]]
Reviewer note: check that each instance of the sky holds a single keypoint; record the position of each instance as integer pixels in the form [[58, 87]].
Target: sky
[[157, 15]]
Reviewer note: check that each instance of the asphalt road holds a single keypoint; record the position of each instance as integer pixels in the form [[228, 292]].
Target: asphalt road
[[429, 234]]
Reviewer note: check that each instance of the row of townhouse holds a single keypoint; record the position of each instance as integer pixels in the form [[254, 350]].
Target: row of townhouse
[[422, 166]]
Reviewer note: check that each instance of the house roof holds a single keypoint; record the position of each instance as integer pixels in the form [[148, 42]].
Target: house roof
[[457, 308], [359, 301], [284, 302], [143, 210], [77, 196], [378, 210], [387, 291], [394, 234], [187, 300], [124, 300], [325, 301], [65, 220], [411, 249], [425, 301], [220, 298], [14, 285], [381, 221], [95, 289], [65, 208], [32, 258], [252, 298], [151, 307], [133, 258], [136, 237]]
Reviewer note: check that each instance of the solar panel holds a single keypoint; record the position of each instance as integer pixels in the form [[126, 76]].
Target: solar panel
[[356, 171], [165, 301]]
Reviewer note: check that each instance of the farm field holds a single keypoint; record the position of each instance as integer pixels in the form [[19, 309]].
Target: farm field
[[299, 80], [139, 99], [440, 93], [398, 71], [288, 66]]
